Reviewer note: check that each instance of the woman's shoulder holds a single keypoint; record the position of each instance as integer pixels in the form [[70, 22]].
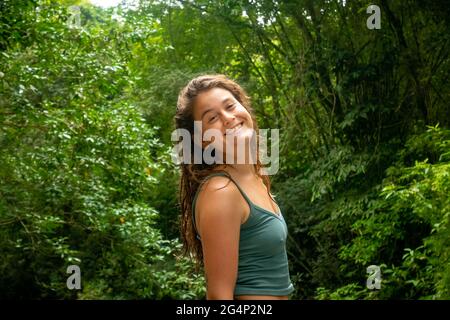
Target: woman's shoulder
[[218, 186], [218, 198], [219, 192]]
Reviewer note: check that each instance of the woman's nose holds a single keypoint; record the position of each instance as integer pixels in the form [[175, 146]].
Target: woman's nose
[[228, 117]]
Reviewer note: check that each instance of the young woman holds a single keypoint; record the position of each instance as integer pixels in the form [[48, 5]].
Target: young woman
[[230, 222]]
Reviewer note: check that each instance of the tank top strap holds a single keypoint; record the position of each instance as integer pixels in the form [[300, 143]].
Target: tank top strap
[[198, 191], [250, 203]]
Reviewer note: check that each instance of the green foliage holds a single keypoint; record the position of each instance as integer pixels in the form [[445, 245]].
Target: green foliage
[[400, 224], [78, 166], [406, 228], [86, 114], [342, 164], [349, 292]]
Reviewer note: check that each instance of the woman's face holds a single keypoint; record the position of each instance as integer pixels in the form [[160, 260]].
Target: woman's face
[[218, 109]]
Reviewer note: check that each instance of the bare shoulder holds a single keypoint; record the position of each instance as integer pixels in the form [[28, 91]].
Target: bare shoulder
[[219, 200], [219, 183], [218, 192]]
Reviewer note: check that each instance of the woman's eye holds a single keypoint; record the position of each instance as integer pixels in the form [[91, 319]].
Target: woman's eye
[[230, 106]]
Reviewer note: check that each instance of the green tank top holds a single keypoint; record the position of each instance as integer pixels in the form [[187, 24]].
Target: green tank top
[[263, 265]]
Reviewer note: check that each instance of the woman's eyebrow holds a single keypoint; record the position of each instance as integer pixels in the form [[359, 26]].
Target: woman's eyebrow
[[224, 101]]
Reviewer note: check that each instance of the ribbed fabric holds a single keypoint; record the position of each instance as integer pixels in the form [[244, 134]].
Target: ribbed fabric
[[263, 265]]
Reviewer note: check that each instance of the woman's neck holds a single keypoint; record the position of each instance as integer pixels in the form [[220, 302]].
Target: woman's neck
[[240, 170]]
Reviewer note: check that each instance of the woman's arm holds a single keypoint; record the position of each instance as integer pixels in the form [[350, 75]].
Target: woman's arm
[[219, 222]]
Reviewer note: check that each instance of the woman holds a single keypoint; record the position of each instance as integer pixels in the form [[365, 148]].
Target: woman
[[235, 230]]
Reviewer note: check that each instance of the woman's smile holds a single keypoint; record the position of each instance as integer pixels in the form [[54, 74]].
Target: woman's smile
[[235, 130]]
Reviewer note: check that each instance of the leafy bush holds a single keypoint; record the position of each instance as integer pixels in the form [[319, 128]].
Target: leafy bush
[[77, 170], [406, 229]]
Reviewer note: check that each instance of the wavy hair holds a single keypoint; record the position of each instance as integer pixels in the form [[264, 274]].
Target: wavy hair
[[193, 174]]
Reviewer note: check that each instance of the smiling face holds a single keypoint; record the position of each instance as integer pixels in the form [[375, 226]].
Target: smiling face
[[218, 109]]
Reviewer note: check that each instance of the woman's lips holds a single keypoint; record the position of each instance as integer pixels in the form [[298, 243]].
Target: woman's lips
[[234, 130]]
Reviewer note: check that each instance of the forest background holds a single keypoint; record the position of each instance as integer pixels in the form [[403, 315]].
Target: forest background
[[87, 99]]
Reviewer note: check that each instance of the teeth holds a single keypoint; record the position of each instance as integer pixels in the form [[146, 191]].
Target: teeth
[[231, 131]]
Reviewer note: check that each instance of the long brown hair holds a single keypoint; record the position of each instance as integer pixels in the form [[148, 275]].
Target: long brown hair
[[193, 174]]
